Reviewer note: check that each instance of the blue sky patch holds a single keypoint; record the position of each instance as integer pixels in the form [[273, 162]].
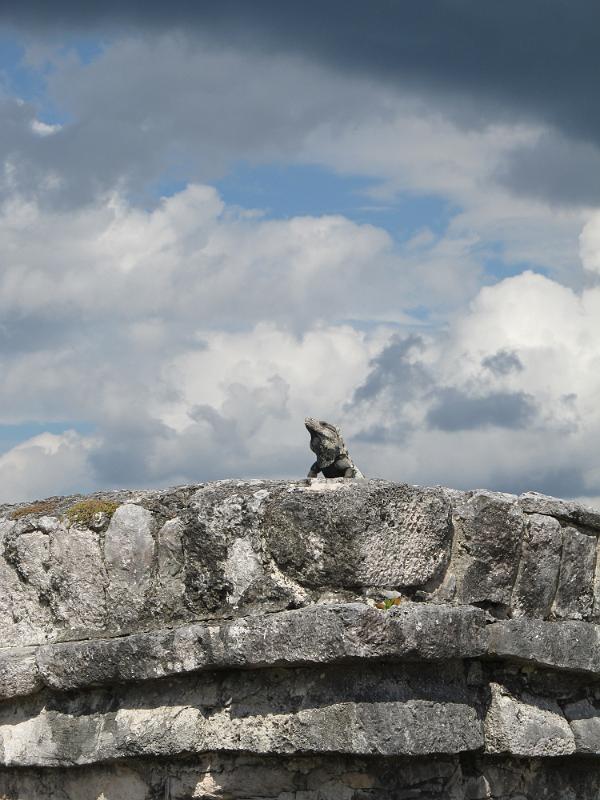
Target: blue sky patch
[[29, 82], [18, 78], [11, 435], [284, 191], [497, 267]]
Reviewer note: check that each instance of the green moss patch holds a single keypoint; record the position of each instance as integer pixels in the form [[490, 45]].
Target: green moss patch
[[84, 512]]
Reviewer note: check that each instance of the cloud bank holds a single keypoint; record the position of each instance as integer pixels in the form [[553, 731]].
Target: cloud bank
[[480, 62], [449, 323], [196, 340]]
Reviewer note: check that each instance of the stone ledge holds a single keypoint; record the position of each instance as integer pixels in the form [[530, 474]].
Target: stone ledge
[[410, 709], [564, 510], [565, 645], [320, 634]]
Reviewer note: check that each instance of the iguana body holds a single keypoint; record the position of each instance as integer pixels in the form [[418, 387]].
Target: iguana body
[[333, 459]]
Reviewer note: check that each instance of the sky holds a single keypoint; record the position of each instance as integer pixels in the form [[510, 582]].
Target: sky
[[218, 218]]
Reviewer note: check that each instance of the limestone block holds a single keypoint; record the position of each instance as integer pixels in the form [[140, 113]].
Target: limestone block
[[539, 566], [411, 727], [129, 553], [565, 510], [360, 534], [24, 618], [19, 673], [526, 726], [574, 594], [219, 567], [487, 538], [79, 579], [170, 583], [584, 719], [31, 557], [595, 616], [573, 646]]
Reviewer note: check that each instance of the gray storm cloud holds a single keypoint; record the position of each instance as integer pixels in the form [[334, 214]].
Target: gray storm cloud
[[456, 410], [478, 64], [491, 61]]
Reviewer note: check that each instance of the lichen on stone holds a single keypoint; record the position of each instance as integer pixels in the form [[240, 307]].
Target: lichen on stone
[[39, 508]]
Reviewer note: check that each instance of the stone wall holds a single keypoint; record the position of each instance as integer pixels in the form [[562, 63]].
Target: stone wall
[[223, 641]]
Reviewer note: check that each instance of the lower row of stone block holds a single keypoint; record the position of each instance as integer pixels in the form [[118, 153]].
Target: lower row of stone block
[[388, 709], [224, 776]]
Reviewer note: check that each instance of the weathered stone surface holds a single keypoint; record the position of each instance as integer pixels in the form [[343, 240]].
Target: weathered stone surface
[[411, 709], [31, 557], [595, 616], [573, 646], [488, 529], [370, 535], [24, 619], [79, 579], [527, 726], [584, 719], [248, 547], [537, 577], [242, 568], [315, 635], [219, 632], [574, 594], [19, 673], [565, 510], [310, 777], [170, 557], [129, 551], [217, 575]]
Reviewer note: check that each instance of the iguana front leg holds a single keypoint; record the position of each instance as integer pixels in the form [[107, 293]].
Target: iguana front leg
[[314, 470], [345, 465]]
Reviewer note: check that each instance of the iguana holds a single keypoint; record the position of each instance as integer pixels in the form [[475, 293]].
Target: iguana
[[333, 459]]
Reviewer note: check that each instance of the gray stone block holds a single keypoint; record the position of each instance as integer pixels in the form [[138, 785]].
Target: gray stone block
[[584, 719], [526, 726], [574, 594], [539, 566], [354, 534], [129, 554], [572, 646], [79, 579], [19, 673], [169, 588], [487, 539], [24, 618], [565, 510]]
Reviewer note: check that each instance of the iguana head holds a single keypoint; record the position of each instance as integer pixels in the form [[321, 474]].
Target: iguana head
[[325, 441]]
